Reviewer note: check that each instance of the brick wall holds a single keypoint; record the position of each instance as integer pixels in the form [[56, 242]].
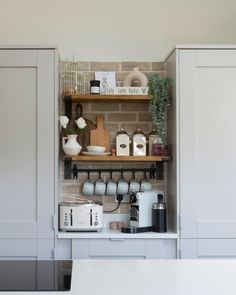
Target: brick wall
[[129, 116]]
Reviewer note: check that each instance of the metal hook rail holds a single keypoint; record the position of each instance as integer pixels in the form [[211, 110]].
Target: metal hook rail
[[155, 171]]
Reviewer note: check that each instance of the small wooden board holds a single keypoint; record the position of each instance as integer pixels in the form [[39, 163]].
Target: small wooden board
[[100, 136]]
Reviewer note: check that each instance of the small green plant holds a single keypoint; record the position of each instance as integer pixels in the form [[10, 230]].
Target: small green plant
[[159, 102]]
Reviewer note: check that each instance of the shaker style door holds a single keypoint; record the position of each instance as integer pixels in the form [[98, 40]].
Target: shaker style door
[[207, 109], [27, 91]]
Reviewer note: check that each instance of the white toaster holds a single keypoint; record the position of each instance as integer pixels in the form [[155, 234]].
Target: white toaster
[[81, 216]]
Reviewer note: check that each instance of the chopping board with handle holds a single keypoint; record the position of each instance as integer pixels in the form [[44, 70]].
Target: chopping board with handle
[[84, 136], [100, 136]]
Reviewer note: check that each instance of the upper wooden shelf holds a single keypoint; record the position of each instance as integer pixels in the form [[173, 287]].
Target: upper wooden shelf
[[119, 158], [107, 98]]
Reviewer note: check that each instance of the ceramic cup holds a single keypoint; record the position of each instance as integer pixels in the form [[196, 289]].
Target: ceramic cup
[[145, 186], [134, 186], [122, 187], [111, 188], [88, 188], [100, 188]]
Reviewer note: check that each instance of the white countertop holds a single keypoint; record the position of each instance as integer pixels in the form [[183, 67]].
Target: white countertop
[[164, 277], [149, 277], [107, 233]]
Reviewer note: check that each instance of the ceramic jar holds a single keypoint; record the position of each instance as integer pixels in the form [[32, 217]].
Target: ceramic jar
[[139, 143], [122, 143]]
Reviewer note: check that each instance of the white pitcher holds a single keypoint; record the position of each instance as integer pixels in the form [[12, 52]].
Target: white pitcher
[[70, 145]]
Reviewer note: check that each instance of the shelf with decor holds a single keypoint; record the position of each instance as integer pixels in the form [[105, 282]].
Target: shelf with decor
[[76, 98]]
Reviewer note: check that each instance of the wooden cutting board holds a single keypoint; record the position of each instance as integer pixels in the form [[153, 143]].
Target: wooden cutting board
[[84, 136], [100, 136]]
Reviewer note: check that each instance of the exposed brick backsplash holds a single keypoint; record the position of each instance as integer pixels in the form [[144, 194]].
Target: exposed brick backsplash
[[129, 116]]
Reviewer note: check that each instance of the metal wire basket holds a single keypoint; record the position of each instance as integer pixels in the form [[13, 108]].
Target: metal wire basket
[[73, 78]]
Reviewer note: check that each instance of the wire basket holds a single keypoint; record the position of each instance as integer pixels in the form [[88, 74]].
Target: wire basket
[[73, 78]]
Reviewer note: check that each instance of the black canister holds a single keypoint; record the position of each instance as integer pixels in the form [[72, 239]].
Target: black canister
[[94, 87], [159, 215]]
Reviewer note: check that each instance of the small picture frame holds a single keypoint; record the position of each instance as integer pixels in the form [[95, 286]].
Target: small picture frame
[[107, 79]]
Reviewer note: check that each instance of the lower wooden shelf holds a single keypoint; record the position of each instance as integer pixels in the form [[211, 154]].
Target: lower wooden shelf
[[119, 158]]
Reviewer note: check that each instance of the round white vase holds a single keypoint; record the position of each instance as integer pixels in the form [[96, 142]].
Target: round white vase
[[70, 145]]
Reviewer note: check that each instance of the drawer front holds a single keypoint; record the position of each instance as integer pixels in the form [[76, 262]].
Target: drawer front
[[119, 247], [102, 248]]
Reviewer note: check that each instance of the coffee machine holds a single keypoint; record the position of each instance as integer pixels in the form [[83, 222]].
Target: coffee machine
[[141, 208]]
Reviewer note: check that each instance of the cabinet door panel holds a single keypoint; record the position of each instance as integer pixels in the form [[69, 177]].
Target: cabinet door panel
[[208, 248], [207, 144], [27, 120]]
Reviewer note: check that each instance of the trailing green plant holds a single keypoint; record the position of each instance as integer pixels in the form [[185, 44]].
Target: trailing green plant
[[159, 102]]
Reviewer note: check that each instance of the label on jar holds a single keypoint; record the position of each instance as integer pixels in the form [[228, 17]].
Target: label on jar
[[123, 146], [95, 89]]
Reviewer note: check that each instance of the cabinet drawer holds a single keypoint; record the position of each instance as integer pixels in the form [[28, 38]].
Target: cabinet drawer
[[122, 247], [89, 248]]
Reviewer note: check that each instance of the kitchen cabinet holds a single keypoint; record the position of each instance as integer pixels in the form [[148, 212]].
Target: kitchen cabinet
[[118, 248], [203, 148], [28, 152]]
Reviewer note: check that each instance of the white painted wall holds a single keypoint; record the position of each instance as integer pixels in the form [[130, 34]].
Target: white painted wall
[[117, 29]]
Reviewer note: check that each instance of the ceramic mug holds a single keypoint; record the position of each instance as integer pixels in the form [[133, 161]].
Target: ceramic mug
[[134, 186], [100, 188], [88, 188], [145, 186], [111, 188], [122, 187]]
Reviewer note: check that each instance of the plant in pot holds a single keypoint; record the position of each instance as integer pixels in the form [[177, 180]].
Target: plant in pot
[[158, 106], [69, 139]]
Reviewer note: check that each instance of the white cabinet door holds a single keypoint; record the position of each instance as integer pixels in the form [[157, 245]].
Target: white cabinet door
[[207, 94], [27, 177], [208, 248]]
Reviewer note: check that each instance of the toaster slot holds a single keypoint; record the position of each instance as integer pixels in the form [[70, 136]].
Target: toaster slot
[[91, 217], [71, 217]]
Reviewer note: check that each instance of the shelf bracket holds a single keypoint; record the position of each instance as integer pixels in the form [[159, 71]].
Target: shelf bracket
[[159, 171], [68, 106], [67, 167]]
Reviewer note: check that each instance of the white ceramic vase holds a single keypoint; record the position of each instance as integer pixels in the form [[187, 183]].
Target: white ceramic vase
[[70, 145]]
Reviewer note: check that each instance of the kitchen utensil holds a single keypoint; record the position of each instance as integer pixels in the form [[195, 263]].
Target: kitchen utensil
[[141, 208], [111, 187], [100, 186], [159, 215], [84, 136], [134, 185], [96, 149], [81, 216], [139, 143], [88, 187], [123, 186], [70, 145], [100, 136], [145, 184]]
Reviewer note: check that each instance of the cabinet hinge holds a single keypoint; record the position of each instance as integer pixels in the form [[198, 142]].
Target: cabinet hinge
[[53, 253], [54, 223]]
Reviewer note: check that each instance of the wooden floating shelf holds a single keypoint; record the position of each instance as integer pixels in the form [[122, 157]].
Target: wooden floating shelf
[[119, 158], [103, 98]]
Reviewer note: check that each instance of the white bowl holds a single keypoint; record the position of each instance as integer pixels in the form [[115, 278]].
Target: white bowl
[[96, 149]]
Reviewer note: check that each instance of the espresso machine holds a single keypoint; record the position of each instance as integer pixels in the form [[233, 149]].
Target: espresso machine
[[141, 211]]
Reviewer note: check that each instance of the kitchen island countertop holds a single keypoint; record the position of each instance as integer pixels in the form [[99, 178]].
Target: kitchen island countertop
[[140, 277]]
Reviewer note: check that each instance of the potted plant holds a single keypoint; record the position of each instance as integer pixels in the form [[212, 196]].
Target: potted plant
[[158, 106], [69, 142]]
